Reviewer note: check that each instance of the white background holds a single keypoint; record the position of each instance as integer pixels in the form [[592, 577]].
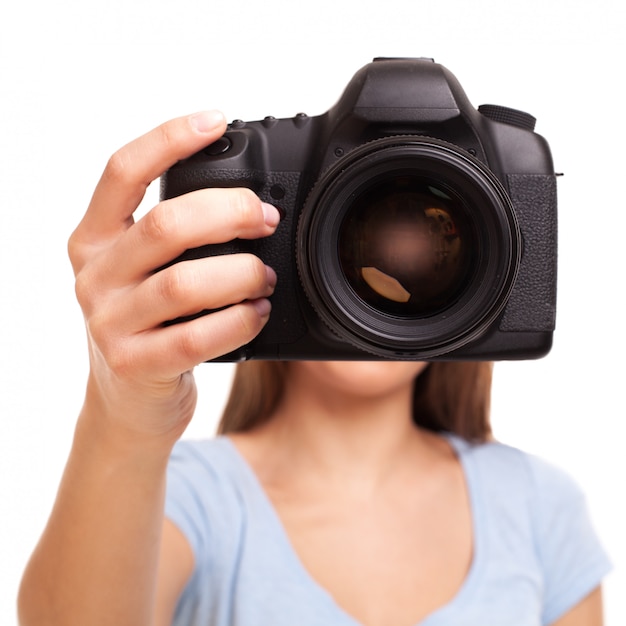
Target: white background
[[78, 79]]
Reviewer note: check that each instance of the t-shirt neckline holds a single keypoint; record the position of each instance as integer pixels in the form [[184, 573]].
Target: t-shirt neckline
[[438, 617]]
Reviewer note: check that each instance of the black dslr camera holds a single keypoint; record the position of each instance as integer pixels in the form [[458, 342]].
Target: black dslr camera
[[414, 225]]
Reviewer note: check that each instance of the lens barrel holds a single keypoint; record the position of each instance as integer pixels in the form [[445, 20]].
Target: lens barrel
[[408, 247]]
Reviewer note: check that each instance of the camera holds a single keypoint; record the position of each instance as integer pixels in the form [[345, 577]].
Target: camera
[[414, 226]]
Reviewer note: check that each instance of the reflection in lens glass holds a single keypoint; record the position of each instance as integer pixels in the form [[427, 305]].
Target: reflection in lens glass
[[406, 245]]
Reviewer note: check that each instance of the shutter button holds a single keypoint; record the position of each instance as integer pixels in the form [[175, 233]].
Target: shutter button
[[223, 144]]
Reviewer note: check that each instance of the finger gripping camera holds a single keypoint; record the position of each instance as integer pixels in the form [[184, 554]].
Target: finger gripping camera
[[414, 225]]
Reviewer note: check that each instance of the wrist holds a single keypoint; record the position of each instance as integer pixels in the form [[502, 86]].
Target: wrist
[[130, 422]]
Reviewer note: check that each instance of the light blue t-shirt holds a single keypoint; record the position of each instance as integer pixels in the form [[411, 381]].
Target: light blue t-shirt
[[536, 554]]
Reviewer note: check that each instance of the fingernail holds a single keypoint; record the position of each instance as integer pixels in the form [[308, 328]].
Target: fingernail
[[262, 306], [270, 214], [272, 279], [206, 121]]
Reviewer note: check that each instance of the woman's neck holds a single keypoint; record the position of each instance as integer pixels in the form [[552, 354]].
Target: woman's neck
[[327, 433]]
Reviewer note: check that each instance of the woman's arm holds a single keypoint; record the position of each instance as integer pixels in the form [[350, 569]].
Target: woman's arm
[[588, 612], [96, 562], [176, 563], [98, 558]]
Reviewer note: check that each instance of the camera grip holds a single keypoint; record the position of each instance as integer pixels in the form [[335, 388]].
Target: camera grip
[[532, 303]]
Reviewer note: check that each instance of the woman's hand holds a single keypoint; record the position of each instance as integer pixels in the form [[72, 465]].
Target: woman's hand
[[140, 370]]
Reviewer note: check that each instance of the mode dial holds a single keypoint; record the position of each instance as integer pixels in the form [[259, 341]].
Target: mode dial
[[508, 116]]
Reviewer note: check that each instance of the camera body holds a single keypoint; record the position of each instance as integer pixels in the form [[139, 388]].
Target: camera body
[[414, 226]]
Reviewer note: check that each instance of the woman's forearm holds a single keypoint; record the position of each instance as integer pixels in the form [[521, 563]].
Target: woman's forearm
[[97, 560]]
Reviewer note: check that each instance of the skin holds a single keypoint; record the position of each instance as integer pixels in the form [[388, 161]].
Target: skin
[[107, 555]]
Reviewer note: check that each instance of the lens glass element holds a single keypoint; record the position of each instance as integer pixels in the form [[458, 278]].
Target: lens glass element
[[406, 245]]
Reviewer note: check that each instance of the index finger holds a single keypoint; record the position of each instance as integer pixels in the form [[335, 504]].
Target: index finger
[[132, 168]]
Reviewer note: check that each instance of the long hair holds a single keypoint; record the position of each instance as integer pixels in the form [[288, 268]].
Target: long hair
[[448, 396]]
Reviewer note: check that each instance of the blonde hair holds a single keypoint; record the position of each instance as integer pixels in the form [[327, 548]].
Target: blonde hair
[[448, 396]]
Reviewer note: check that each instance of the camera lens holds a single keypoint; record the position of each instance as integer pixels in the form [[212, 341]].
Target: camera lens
[[405, 246], [408, 248]]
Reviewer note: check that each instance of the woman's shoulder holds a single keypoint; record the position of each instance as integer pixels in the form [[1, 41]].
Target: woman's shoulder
[[523, 496], [507, 467], [204, 475], [208, 495]]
